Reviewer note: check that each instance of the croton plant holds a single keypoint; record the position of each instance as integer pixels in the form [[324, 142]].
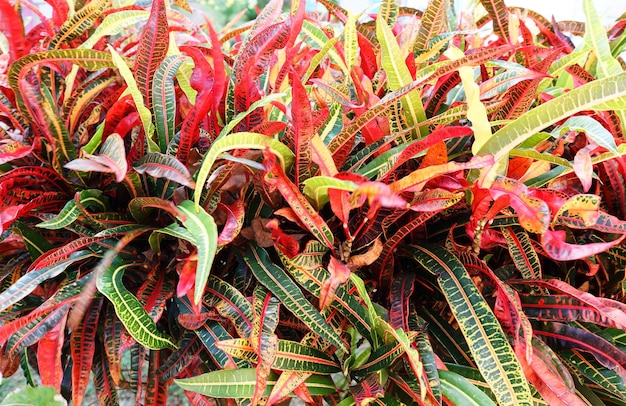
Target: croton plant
[[403, 207]]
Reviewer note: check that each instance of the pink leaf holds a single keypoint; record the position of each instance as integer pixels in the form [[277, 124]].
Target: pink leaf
[[555, 246], [583, 168]]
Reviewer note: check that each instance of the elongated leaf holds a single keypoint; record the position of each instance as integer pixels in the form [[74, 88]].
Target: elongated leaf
[[316, 188], [152, 49], [499, 16], [27, 283], [489, 345], [279, 283], [398, 75], [232, 304], [85, 58], [592, 128], [202, 227], [460, 391], [380, 359], [83, 348], [242, 140], [81, 21], [129, 310], [522, 252], [585, 97], [106, 389], [189, 347], [165, 166], [133, 88], [164, 99], [309, 217], [49, 352], [35, 330], [210, 333], [241, 383], [433, 20], [114, 23], [308, 270], [290, 356]]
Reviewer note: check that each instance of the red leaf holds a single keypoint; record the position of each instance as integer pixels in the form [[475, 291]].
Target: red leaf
[[554, 244], [340, 204], [234, 221], [378, 195], [12, 28], [284, 243], [49, 350], [83, 347], [10, 150], [311, 219], [550, 386], [302, 119], [202, 81], [435, 137], [152, 49], [399, 296], [187, 274]]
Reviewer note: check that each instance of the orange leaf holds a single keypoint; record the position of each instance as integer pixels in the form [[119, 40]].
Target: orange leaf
[[339, 274]]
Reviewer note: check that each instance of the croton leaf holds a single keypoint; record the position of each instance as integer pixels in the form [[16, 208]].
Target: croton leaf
[[242, 140], [290, 356], [555, 245], [129, 310], [487, 342], [286, 290], [111, 159], [203, 229], [10, 150], [241, 383], [27, 283], [165, 166]]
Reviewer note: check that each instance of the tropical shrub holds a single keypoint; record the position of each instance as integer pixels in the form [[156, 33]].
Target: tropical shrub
[[391, 208]]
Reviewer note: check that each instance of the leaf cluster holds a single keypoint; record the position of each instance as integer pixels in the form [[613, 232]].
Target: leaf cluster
[[407, 207]]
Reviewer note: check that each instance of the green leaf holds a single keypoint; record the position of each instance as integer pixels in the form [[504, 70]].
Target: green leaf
[[316, 35], [290, 356], [133, 89], [585, 97], [40, 396], [114, 23], [85, 58], [90, 198], [164, 99], [241, 383], [202, 227], [242, 140], [316, 188], [129, 310], [284, 288], [433, 20], [488, 344], [594, 130], [459, 391], [398, 75], [78, 23]]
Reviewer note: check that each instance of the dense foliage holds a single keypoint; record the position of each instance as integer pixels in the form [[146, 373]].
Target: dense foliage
[[406, 207]]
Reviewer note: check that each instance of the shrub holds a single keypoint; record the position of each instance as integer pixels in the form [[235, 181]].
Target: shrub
[[300, 206]]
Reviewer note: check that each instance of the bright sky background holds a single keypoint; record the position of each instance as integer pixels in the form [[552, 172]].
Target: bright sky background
[[561, 9]]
